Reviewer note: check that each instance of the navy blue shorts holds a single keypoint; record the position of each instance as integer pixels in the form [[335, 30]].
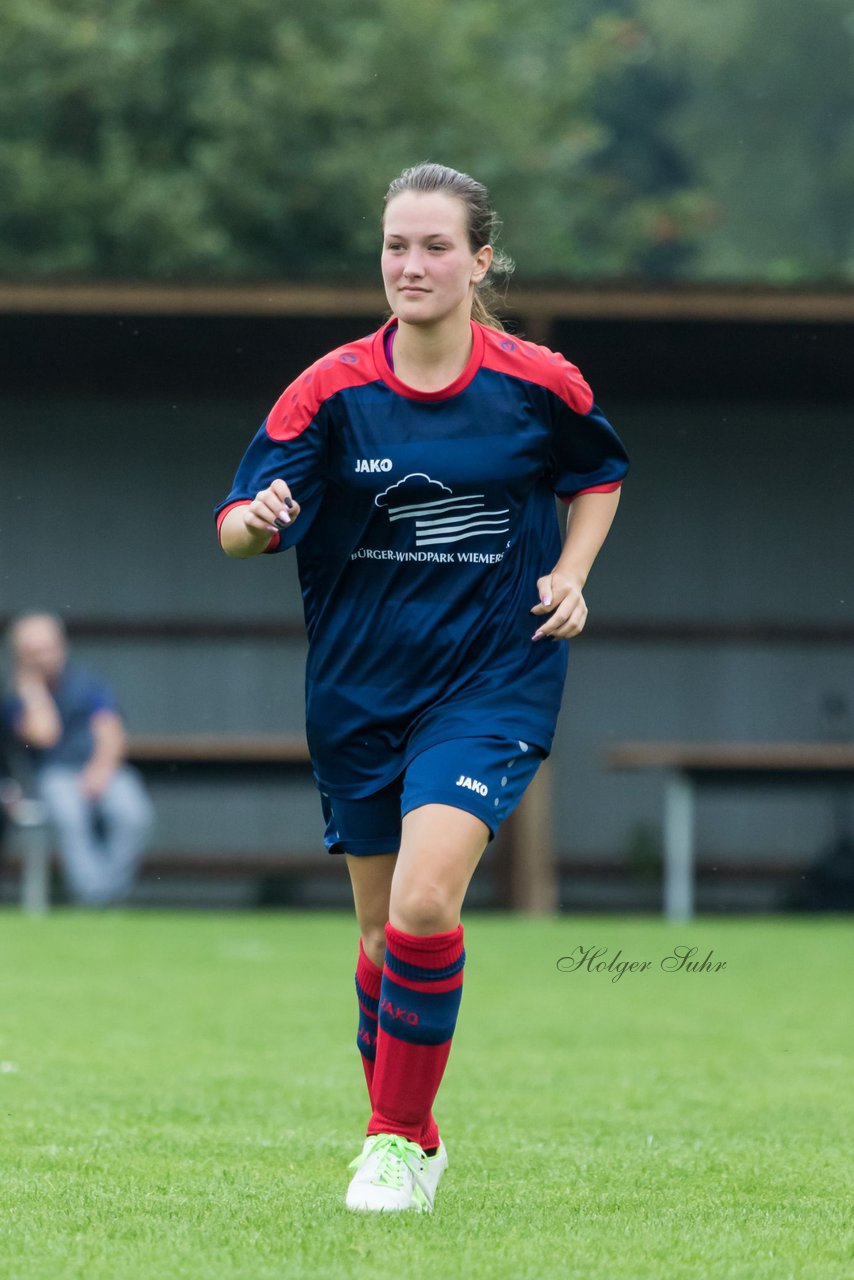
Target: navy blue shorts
[[485, 776]]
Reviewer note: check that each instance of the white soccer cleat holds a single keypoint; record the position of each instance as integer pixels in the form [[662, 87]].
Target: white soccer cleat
[[394, 1174], [436, 1166]]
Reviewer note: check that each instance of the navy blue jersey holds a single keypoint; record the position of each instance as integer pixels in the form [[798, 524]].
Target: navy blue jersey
[[427, 518]]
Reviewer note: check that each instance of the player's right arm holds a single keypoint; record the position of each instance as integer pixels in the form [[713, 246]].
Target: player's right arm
[[248, 529], [260, 513]]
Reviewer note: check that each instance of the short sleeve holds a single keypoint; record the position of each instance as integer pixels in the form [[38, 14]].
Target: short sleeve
[[298, 459], [587, 454]]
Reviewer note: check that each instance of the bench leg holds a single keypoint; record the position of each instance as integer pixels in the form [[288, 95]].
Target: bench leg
[[533, 876], [678, 848], [34, 844]]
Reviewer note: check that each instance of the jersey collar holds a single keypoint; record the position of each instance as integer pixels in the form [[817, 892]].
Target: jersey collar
[[454, 388]]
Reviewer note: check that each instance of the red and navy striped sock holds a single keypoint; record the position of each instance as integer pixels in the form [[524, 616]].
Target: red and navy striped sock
[[422, 985], [368, 982]]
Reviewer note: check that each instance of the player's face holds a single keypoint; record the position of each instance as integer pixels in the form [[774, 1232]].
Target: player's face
[[429, 270]]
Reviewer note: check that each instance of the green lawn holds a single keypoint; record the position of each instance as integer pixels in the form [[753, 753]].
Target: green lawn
[[180, 1096]]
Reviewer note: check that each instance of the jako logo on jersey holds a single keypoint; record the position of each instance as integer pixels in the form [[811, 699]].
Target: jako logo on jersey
[[472, 784], [373, 464]]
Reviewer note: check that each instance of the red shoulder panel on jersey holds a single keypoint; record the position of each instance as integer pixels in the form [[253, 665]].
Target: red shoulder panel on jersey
[[297, 406], [532, 363]]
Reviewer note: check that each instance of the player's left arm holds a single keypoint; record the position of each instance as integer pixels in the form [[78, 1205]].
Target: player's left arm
[[110, 745], [588, 521]]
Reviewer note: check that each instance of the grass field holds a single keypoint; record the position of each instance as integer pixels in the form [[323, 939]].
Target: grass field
[[180, 1096]]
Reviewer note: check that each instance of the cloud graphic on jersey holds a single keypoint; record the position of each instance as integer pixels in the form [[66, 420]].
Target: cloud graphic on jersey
[[441, 519], [420, 482]]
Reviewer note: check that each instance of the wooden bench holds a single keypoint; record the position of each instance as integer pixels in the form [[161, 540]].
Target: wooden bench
[[523, 861], [211, 754], [690, 766], [524, 864]]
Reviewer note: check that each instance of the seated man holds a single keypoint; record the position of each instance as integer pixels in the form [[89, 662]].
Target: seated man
[[74, 736]]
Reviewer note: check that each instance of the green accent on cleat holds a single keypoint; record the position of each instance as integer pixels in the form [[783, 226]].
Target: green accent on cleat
[[393, 1174]]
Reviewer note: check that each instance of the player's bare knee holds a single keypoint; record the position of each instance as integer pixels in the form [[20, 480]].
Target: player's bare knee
[[373, 942], [424, 908]]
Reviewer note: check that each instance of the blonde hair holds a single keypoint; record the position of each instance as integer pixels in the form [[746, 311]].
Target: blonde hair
[[482, 222]]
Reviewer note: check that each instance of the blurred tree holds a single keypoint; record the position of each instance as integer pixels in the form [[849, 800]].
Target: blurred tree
[[193, 138], [769, 129]]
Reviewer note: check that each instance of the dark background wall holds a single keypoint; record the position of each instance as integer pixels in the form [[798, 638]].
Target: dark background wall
[[119, 434]]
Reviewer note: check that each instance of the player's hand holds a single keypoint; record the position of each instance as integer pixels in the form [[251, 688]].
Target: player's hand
[[271, 510], [561, 597]]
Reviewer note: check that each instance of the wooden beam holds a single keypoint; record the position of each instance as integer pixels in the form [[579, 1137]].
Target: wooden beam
[[544, 306], [538, 306], [228, 748], [682, 631], [685, 631], [797, 757], [129, 298]]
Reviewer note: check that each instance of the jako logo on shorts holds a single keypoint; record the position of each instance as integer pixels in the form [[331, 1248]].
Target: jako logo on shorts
[[373, 464], [472, 784]]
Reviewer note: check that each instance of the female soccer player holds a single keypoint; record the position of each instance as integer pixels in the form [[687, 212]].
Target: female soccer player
[[414, 471]]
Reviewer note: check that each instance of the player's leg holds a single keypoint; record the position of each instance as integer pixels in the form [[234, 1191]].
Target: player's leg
[[370, 878], [423, 970], [404, 1157], [383, 1180], [366, 831], [455, 796], [440, 849]]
